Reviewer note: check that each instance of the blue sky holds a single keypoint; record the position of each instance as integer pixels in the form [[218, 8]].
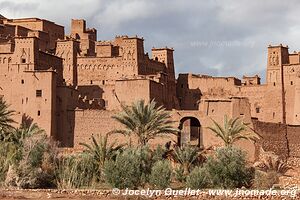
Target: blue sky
[[215, 37]]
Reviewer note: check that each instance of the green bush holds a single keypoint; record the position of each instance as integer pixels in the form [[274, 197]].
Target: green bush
[[198, 178], [179, 174], [265, 180], [146, 162], [228, 168], [8, 153], [125, 171], [186, 156], [158, 153], [36, 168], [75, 171], [161, 175]]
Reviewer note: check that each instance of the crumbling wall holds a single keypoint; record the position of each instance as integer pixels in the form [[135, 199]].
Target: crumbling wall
[[293, 140], [273, 138], [282, 139]]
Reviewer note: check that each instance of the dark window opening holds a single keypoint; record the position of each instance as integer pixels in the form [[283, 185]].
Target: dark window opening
[[103, 82], [38, 93], [274, 84], [273, 115], [156, 58], [257, 110], [22, 81], [292, 83], [39, 113], [91, 82], [23, 60]]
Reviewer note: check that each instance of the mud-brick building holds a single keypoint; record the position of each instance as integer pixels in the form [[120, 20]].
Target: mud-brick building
[[71, 85]]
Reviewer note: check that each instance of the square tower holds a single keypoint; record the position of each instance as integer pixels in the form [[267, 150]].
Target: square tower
[[277, 56]]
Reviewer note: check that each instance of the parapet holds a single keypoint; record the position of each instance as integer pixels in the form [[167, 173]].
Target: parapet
[[251, 80], [163, 48]]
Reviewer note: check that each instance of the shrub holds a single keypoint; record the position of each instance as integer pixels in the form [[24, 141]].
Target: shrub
[[100, 150], [179, 175], [186, 156], [198, 178], [265, 180], [158, 153], [160, 174], [8, 153], [228, 168], [36, 168], [75, 171], [125, 171], [269, 161]]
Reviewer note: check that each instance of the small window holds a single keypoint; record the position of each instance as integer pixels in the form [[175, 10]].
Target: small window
[[292, 83], [23, 60], [257, 110], [22, 81], [39, 93], [274, 84], [103, 82], [273, 115], [39, 113], [91, 82]]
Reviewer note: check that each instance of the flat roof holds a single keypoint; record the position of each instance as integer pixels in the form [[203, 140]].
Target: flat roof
[[31, 19]]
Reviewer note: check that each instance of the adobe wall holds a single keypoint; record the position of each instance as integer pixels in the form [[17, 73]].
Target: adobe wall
[[293, 136], [88, 122], [291, 75], [94, 70], [273, 137], [282, 139], [266, 102]]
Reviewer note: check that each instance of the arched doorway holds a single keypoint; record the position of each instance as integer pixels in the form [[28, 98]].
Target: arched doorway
[[190, 132]]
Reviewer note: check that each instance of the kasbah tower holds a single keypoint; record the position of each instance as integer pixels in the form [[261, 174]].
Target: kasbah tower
[[71, 85]]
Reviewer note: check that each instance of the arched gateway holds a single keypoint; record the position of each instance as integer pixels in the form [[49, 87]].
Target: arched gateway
[[190, 132]]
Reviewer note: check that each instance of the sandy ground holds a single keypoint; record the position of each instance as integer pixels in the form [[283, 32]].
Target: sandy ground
[[100, 195]]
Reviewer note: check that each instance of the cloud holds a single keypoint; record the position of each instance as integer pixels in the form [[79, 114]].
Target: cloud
[[210, 37]]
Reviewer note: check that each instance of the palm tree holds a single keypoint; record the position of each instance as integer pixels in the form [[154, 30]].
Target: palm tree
[[6, 120], [146, 121], [186, 156], [100, 150], [20, 134], [233, 130]]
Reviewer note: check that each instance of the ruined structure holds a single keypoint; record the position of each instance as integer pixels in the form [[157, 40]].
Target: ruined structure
[[72, 84]]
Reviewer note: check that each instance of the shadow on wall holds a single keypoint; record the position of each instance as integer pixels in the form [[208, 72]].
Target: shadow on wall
[[190, 99], [91, 97], [26, 120]]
